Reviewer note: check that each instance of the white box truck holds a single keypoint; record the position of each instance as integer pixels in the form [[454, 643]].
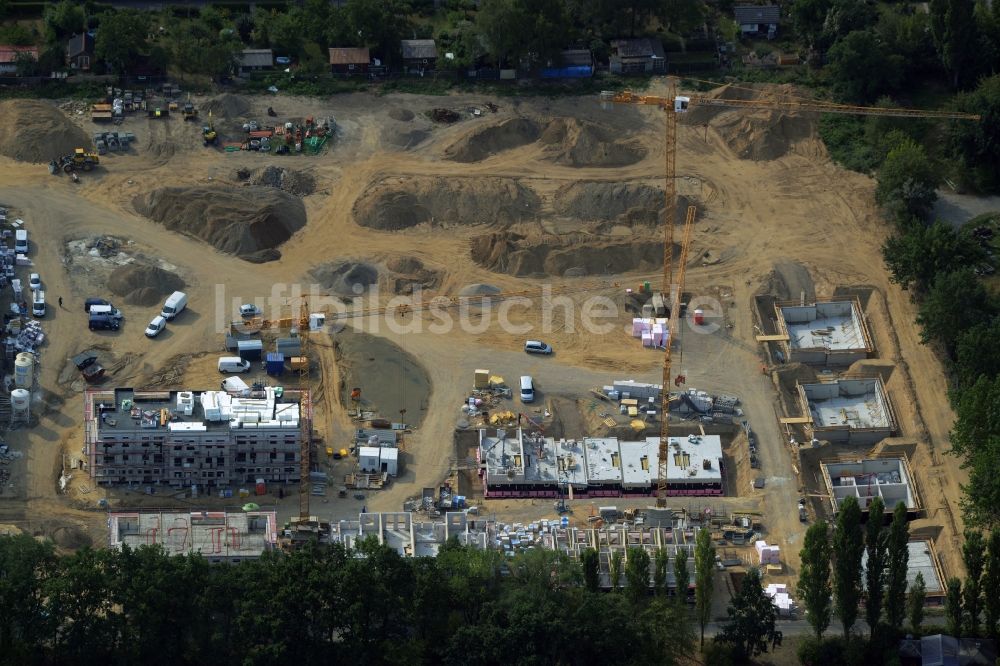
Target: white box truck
[[174, 304], [38, 304]]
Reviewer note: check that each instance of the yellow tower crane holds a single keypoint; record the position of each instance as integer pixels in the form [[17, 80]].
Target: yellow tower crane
[[674, 105]]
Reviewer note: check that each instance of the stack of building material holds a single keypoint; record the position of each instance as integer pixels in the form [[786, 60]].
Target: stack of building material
[[29, 337], [779, 595], [640, 326], [767, 554], [661, 335]]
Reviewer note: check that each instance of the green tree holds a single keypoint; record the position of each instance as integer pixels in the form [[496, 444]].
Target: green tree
[[752, 625], [615, 570], [814, 576], [380, 25], [661, 562], [591, 563], [704, 579], [905, 33], [529, 31], [974, 558], [953, 607], [915, 602], [954, 302], [848, 545], [26, 569], [875, 572], [953, 27], [121, 38], [845, 17], [991, 583], [681, 576], [976, 144], [898, 559], [808, 17], [637, 574], [860, 68], [919, 253], [977, 353], [63, 19], [907, 181]]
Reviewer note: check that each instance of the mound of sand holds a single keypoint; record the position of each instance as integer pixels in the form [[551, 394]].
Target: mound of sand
[[402, 115], [478, 289], [621, 203], [143, 285], [250, 223], [33, 131], [227, 105], [345, 277], [294, 182], [404, 138], [402, 202], [759, 135], [580, 143], [520, 255], [408, 273], [507, 135]]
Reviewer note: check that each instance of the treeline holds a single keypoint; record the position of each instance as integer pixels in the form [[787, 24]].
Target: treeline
[[832, 582]]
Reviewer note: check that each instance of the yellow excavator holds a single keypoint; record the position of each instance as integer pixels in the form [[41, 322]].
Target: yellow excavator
[[79, 160], [208, 133]]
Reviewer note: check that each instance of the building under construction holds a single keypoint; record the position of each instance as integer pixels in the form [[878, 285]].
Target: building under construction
[[218, 536], [204, 439], [848, 411], [823, 333], [864, 480], [517, 464]]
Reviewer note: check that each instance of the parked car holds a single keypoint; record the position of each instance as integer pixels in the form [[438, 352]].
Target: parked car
[[21, 241], [38, 304], [87, 304], [174, 304], [108, 310], [249, 311], [35, 282], [103, 322], [156, 326], [537, 347], [527, 389], [229, 364]]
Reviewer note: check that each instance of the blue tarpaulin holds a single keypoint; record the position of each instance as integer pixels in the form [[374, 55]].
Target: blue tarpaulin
[[576, 72]]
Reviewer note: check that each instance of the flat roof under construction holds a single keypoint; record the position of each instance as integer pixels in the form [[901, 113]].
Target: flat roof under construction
[[852, 403], [866, 479], [213, 534], [922, 560], [831, 325]]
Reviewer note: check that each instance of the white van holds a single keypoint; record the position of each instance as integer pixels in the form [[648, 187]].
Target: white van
[[108, 310], [38, 304], [229, 364], [174, 304], [21, 241], [527, 389]]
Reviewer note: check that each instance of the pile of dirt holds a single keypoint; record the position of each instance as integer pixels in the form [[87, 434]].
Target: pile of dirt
[[402, 115], [478, 289], [401, 202], [33, 131], [404, 139], [408, 273], [227, 105], [345, 277], [250, 223], [143, 285], [759, 135], [481, 144], [294, 182], [628, 203], [443, 115], [566, 255], [580, 143]]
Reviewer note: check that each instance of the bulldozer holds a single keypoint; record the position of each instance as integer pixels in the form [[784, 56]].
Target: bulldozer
[[79, 160], [188, 112], [208, 133]]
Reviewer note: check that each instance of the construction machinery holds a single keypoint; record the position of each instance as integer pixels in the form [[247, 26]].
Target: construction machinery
[[208, 134], [674, 105], [79, 160], [188, 112], [158, 112]]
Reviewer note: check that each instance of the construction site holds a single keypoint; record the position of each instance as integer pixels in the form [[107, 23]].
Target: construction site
[[387, 262]]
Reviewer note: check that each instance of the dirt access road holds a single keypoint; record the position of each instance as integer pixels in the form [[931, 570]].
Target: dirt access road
[[388, 188]]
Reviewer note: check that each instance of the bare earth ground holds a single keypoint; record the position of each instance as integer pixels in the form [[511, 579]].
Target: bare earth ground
[[752, 215]]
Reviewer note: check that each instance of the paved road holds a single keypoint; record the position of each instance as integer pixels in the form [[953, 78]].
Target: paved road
[[957, 209]]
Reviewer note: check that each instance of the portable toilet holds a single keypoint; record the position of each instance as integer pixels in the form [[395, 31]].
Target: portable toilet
[[275, 363]]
